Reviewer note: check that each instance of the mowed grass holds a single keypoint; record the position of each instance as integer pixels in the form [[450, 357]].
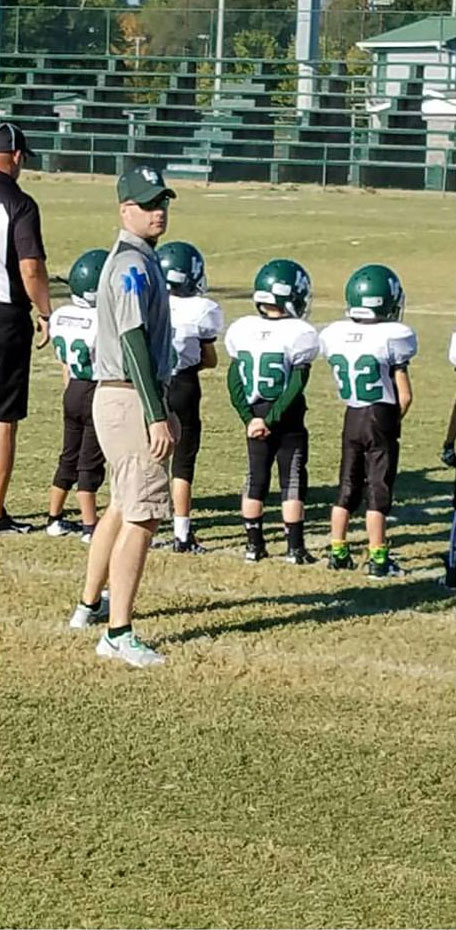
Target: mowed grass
[[291, 765]]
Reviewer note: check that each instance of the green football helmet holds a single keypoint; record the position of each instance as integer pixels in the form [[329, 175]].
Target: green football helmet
[[183, 267], [374, 292], [285, 284], [85, 274]]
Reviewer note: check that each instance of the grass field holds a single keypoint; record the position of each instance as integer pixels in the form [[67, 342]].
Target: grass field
[[292, 764]]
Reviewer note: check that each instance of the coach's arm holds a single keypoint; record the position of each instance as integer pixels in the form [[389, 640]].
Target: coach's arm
[[36, 284]]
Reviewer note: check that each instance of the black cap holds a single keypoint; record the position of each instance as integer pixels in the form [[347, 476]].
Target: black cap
[[12, 139]]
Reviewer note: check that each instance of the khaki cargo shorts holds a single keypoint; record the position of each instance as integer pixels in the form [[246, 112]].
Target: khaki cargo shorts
[[139, 485]]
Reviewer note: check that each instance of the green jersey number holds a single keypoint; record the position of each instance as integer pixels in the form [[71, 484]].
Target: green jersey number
[[271, 379], [367, 370], [82, 367]]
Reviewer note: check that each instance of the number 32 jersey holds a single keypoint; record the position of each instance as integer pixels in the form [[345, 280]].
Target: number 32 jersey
[[363, 357], [73, 334], [267, 350]]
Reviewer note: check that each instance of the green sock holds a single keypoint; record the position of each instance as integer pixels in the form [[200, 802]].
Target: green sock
[[340, 549], [378, 554]]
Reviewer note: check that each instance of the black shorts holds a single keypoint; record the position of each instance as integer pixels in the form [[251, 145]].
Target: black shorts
[[184, 399], [82, 460], [16, 335], [370, 454], [288, 443]]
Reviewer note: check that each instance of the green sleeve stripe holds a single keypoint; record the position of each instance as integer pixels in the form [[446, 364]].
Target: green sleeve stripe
[[237, 395], [296, 385], [140, 369]]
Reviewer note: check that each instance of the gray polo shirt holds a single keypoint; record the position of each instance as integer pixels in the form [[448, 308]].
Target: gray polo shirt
[[132, 292]]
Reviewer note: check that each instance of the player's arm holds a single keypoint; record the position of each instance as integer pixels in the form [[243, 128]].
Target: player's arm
[[296, 384], [237, 393], [404, 388], [208, 355]]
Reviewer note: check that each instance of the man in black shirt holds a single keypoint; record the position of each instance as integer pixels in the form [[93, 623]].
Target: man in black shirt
[[23, 281]]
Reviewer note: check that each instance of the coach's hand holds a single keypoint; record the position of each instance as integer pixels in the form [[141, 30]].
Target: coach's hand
[[448, 455], [42, 326], [161, 440], [257, 429]]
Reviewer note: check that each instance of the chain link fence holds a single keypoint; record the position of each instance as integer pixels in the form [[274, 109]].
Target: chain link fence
[[187, 29]]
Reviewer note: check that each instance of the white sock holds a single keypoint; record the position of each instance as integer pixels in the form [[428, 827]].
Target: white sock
[[181, 528]]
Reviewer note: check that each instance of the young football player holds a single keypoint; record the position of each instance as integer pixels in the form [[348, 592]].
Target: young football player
[[448, 456], [196, 322], [271, 357], [73, 333], [369, 354]]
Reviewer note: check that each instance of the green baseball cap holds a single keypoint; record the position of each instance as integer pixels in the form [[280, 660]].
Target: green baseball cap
[[143, 184]]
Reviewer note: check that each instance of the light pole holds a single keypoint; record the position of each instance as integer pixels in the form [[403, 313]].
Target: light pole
[[307, 35], [219, 50]]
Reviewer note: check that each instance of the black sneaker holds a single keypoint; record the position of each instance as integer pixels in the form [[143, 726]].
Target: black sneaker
[[337, 563], [255, 553], [387, 569], [8, 525], [191, 544], [300, 557]]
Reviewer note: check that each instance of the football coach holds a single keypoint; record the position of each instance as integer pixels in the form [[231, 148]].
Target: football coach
[[23, 282], [135, 428]]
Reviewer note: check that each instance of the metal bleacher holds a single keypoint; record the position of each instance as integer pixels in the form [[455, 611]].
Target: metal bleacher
[[101, 112]]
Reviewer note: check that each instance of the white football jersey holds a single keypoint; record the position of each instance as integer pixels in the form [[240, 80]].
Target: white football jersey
[[452, 352], [73, 332], [361, 356], [193, 320], [266, 350]]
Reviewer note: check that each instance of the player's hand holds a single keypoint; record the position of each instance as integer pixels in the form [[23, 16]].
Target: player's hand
[[257, 429], [161, 440], [175, 427], [42, 326], [448, 455]]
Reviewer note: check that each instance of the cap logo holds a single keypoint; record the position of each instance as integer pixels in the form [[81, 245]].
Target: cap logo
[[150, 175]]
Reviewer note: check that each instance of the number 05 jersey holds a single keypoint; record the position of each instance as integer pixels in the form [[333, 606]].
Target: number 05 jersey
[[73, 334], [266, 351], [363, 358]]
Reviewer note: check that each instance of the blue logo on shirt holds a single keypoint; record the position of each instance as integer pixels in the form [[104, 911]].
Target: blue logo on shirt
[[135, 281]]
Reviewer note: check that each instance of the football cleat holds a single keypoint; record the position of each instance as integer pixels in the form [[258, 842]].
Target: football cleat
[[85, 274], [387, 569], [183, 267], [10, 526], [255, 553], [191, 544], [340, 563], [128, 648], [374, 292], [285, 284], [61, 527], [300, 557]]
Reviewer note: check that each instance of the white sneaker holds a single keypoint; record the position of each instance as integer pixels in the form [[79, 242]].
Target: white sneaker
[[130, 649], [84, 616], [61, 528], [86, 538]]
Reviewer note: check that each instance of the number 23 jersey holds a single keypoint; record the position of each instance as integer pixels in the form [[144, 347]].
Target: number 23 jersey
[[266, 351], [73, 334], [363, 357]]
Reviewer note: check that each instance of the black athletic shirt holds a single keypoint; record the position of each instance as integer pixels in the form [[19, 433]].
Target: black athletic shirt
[[20, 237]]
